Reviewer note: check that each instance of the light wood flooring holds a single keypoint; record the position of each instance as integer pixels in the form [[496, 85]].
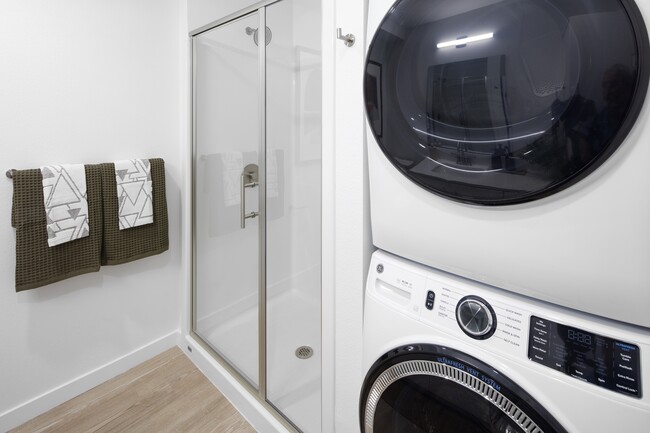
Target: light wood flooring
[[165, 394]]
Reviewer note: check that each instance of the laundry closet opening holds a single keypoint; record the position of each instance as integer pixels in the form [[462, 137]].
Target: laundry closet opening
[[256, 134]]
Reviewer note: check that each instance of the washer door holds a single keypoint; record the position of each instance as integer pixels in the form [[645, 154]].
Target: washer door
[[497, 102], [427, 388]]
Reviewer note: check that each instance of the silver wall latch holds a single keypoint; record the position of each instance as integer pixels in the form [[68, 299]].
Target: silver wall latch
[[347, 39]]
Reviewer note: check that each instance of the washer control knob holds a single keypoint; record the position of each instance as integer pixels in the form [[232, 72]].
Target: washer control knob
[[476, 317]]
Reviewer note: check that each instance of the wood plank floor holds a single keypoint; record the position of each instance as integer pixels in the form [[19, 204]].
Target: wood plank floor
[[165, 394]]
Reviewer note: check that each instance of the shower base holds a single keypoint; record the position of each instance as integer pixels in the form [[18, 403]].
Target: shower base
[[293, 321]]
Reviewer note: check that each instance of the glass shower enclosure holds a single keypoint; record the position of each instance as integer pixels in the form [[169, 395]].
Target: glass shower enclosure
[[256, 115]]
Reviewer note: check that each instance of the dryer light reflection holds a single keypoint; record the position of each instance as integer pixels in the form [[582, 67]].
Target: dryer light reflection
[[465, 40]]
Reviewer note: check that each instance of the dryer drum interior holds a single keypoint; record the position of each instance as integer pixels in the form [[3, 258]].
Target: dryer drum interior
[[501, 102], [428, 388]]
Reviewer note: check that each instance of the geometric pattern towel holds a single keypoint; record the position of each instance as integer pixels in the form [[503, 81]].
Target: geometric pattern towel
[[123, 246], [66, 205], [134, 192]]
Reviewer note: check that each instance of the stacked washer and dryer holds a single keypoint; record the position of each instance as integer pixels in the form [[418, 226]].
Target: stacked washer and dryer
[[509, 163]]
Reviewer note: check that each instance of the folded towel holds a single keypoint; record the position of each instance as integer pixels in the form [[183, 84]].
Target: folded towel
[[38, 264], [122, 246], [133, 179], [66, 207]]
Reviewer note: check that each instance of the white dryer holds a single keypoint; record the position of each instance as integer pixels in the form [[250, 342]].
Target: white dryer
[[446, 355], [509, 142]]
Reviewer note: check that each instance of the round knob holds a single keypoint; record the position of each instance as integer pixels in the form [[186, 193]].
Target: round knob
[[476, 317]]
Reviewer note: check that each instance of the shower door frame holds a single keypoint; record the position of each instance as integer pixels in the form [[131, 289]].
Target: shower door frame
[[261, 392]]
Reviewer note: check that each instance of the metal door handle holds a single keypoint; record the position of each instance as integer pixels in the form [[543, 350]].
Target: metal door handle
[[249, 179]]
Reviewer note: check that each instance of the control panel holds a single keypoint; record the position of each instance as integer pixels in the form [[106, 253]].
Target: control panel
[[464, 312], [505, 325], [589, 357]]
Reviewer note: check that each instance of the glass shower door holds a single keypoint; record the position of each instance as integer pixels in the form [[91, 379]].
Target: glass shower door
[[226, 193], [257, 203], [293, 209]]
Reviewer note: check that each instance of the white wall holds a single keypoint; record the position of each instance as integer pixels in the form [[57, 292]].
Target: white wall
[[84, 82], [352, 240], [202, 12]]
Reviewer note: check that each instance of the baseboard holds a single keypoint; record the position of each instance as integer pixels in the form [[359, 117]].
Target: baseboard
[[50, 399], [250, 408]]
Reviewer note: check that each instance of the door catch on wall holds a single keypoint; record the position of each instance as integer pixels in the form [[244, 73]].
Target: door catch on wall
[[347, 39], [252, 31]]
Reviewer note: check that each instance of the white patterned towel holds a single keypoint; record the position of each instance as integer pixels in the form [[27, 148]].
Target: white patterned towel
[[134, 189], [66, 205]]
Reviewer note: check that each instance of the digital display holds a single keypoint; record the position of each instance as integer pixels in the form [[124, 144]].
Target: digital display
[[578, 336], [589, 357]]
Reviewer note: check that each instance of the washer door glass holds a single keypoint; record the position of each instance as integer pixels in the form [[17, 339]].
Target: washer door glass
[[423, 404], [427, 388], [498, 102]]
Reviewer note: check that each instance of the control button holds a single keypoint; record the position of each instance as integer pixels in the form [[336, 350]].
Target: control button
[[430, 298], [558, 365], [625, 378], [603, 380], [476, 317], [626, 389], [540, 341], [583, 372], [540, 353]]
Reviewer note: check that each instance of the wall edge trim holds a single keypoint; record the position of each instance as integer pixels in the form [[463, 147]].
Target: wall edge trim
[[50, 399]]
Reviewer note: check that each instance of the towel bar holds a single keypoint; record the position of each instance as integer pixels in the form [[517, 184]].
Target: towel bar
[[10, 173]]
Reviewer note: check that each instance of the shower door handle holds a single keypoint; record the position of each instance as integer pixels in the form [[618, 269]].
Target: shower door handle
[[249, 179]]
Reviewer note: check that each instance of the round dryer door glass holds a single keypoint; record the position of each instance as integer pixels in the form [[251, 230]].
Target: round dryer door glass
[[498, 102]]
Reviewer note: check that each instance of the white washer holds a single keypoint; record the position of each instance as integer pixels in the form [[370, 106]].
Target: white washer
[[520, 365], [509, 143]]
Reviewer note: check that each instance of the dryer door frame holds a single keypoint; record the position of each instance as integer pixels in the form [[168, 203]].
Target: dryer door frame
[[518, 410], [543, 95]]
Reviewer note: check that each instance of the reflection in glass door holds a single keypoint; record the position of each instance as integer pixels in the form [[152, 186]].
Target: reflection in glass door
[[257, 203], [227, 140]]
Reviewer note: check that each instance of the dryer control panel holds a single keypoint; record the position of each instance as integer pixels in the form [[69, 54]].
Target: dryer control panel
[[592, 358]]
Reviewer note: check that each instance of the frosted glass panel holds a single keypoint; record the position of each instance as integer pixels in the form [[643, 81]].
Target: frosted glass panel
[[293, 231], [226, 115]]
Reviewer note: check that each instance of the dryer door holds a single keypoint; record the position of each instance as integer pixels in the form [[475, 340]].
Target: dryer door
[[427, 388], [500, 102]]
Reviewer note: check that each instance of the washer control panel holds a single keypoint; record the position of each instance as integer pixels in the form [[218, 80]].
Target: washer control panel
[[541, 336], [480, 316], [589, 357]]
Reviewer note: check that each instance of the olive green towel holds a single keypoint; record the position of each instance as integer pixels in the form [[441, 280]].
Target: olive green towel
[[38, 264], [122, 246]]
